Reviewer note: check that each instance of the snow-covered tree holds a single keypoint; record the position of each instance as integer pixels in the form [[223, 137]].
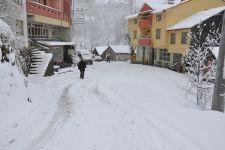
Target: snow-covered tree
[[200, 65], [9, 12]]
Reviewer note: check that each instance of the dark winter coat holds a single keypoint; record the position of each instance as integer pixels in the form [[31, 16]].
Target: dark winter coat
[[82, 65], [4, 50]]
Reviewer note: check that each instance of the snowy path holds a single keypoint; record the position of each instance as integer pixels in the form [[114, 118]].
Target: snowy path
[[117, 106], [96, 114], [63, 111]]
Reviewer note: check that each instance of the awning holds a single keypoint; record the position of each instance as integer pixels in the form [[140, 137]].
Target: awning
[[57, 43]]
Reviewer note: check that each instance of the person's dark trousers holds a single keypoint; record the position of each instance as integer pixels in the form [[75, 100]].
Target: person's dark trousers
[[4, 58], [82, 74]]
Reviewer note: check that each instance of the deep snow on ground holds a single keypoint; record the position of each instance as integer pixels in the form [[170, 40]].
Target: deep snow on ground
[[118, 106]]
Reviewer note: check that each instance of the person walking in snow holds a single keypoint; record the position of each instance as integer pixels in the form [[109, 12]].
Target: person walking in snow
[[5, 51], [81, 67], [108, 58]]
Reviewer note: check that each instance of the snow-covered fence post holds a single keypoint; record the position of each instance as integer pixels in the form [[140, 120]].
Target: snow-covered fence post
[[219, 87]]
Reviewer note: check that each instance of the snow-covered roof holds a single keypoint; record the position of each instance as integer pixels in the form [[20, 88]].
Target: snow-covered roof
[[101, 49], [196, 18], [131, 16], [157, 5], [56, 43], [121, 49]]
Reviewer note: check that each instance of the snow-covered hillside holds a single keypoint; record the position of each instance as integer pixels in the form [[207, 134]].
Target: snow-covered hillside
[[117, 106], [103, 22]]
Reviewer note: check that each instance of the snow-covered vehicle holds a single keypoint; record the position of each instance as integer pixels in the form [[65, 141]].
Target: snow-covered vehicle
[[86, 55], [97, 58]]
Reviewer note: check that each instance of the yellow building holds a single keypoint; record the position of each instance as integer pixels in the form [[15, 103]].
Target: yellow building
[[170, 44], [139, 28]]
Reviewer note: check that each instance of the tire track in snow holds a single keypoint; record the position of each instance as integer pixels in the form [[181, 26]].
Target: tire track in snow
[[149, 117], [163, 122], [130, 124], [63, 110]]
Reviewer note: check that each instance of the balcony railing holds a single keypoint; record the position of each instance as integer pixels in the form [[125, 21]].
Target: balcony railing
[[145, 24], [40, 9], [145, 41]]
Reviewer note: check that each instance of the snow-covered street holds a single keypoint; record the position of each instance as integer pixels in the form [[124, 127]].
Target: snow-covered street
[[118, 106]]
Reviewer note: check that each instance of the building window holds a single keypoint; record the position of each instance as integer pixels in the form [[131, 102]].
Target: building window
[[19, 27], [135, 21], [184, 37], [155, 54], [55, 32], [158, 33], [158, 18], [37, 30], [57, 56], [173, 38], [177, 58], [135, 34], [164, 55]]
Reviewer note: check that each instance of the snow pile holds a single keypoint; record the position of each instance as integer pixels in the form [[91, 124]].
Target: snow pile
[[26, 106], [12, 87], [13, 97]]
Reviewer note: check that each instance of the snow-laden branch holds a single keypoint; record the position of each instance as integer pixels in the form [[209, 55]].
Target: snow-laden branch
[[200, 65]]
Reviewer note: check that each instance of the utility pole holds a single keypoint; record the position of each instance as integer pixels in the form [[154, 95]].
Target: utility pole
[[219, 87]]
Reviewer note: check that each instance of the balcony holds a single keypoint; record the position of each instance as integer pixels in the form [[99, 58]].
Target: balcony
[[143, 24], [145, 41], [43, 10]]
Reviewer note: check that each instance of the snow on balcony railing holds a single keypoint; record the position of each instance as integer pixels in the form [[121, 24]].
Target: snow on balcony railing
[[40, 9]]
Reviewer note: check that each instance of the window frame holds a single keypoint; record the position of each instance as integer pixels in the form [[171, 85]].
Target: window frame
[[184, 39], [172, 38], [158, 17], [158, 34], [164, 55], [177, 58]]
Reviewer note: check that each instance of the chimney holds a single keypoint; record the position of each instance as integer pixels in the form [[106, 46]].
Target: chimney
[[170, 2]]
